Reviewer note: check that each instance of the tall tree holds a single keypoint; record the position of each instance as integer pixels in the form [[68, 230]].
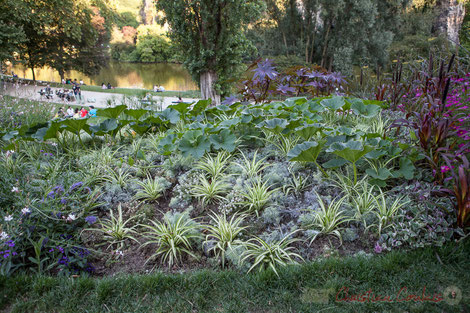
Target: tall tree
[[211, 37], [12, 15], [449, 18]]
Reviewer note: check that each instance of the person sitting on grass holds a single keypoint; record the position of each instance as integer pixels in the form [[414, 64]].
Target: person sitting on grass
[[69, 112], [60, 113], [76, 114], [83, 112], [92, 112]]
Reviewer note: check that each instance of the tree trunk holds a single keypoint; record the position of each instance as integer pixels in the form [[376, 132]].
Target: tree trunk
[[449, 18], [34, 76], [207, 81], [325, 46]]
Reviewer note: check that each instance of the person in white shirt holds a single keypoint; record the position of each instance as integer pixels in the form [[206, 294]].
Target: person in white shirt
[[81, 82], [162, 89], [69, 112]]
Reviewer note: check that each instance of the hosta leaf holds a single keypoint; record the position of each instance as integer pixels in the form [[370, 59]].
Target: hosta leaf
[[140, 128], [167, 145], [200, 106], [333, 103], [305, 152], [333, 163], [381, 173], [104, 127], [136, 114], [182, 107], [224, 140], [113, 112], [229, 123], [406, 170], [351, 151], [365, 110], [76, 125], [194, 143], [169, 115], [275, 125], [307, 131]]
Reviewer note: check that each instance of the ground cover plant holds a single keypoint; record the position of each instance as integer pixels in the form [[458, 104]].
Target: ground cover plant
[[250, 186]]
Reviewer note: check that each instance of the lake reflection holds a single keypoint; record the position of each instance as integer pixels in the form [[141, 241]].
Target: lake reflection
[[120, 74]]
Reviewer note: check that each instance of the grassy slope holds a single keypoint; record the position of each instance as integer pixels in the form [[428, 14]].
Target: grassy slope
[[228, 291]]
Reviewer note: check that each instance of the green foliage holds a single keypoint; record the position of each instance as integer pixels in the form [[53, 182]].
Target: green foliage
[[222, 235], [116, 230], [210, 192], [270, 255], [387, 210], [152, 189], [173, 237], [219, 46], [257, 196], [252, 168], [329, 219], [214, 167]]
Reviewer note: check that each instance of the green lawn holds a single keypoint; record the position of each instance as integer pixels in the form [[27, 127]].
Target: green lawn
[[142, 92], [299, 288]]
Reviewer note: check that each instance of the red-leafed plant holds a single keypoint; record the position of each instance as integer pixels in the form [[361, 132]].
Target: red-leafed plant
[[460, 188]]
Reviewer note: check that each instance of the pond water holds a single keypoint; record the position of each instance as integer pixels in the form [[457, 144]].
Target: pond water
[[120, 74]]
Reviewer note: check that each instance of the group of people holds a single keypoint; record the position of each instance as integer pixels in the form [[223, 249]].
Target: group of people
[[68, 81], [108, 86], [157, 88], [75, 113]]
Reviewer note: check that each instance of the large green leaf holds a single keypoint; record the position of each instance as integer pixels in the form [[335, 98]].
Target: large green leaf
[[380, 174], [334, 163], [200, 106], [182, 107], [169, 115], [76, 125], [406, 170], [275, 125], [224, 140], [113, 112], [105, 127], [307, 131], [364, 110], [229, 123], [306, 152], [351, 151], [167, 145], [140, 128], [194, 143], [333, 103], [50, 132], [136, 114]]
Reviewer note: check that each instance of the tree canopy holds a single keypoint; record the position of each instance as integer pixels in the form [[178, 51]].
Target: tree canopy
[[211, 37]]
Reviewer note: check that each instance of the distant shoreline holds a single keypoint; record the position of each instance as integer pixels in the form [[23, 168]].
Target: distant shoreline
[[118, 90]]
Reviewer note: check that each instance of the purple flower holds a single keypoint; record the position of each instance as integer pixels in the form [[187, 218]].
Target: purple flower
[[76, 185], [90, 219], [230, 100], [63, 201], [264, 69], [377, 248], [285, 89]]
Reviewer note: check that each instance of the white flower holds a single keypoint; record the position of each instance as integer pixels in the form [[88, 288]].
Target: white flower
[[118, 253], [26, 211], [71, 217], [15, 189], [8, 218], [3, 236], [9, 152]]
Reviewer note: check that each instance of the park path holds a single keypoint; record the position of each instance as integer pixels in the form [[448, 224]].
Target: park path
[[97, 99]]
